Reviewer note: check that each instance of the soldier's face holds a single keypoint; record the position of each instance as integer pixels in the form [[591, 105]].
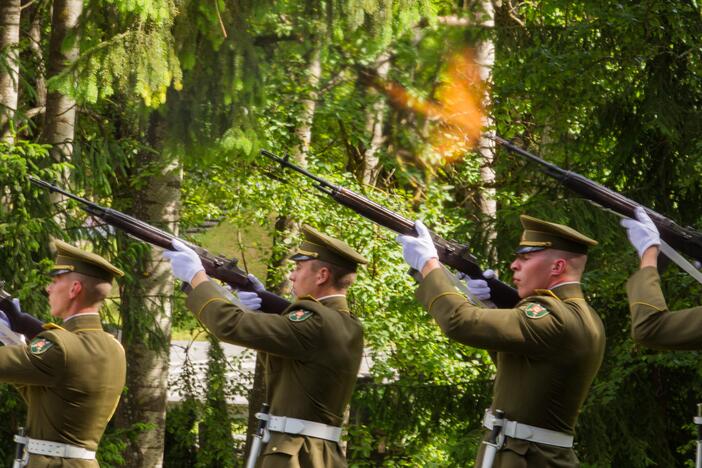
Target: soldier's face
[[61, 292], [532, 271], [303, 279]]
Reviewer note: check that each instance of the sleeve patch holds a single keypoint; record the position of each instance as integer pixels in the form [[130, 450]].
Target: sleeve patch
[[299, 315], [40, 345], [534, 311]]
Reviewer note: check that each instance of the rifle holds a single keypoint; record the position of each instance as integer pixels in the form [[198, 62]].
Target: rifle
[[450, 253], [217, 267], [684, 239], [20, 322]]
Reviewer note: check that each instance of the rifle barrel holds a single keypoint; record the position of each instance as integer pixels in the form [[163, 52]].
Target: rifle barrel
[[686, 240], [217, 267], [450, 253]]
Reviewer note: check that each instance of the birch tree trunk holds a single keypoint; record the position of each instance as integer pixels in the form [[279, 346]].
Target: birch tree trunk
[[374, 126], [146, 303], [35, 13], [9, 70], [485, 58]]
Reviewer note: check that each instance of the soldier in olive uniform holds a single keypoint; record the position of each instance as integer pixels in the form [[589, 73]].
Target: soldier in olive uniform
[[547, 349], [312, 350], [652, 324], [71, 376]]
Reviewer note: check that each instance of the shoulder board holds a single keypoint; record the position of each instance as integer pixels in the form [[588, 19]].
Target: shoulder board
[[308, 298], [547, 293], [534, 310], [52, 326], [40, 344]]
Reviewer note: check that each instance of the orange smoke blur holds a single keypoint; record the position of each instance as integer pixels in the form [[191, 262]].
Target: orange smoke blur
[[458, 109]]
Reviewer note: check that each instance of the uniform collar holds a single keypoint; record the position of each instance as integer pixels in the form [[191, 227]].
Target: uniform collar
[[83, 322], [336, 302], [563, 291]]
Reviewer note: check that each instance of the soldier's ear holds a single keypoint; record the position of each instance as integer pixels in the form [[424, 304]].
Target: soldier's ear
[[559, 266], [76, 288], [323, 275]]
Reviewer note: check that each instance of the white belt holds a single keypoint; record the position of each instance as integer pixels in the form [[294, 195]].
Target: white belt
[[303, 427], [517, 430], [54, 449]]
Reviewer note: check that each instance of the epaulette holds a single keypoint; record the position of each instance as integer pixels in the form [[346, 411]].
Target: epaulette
[[308, 298], [547, 292]]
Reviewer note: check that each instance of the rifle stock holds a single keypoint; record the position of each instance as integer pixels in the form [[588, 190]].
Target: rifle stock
[[20, 322], [684, 239], [217, 267], [450, 253]]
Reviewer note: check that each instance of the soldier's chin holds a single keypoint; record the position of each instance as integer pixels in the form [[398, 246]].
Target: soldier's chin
[[523, 292]]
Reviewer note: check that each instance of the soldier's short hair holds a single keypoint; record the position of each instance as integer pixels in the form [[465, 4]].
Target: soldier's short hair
[[342, 278], [95, 290]]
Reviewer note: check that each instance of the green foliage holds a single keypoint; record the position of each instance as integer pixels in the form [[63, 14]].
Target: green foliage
[[133, 56], [611, 90], [216, 443], [115, 441], [25, 222]]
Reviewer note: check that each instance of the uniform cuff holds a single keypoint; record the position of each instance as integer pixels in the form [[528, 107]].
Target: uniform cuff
[[436, 285], [644, 287], [203, 294]]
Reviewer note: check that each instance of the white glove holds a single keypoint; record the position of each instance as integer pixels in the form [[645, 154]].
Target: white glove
[[184, 261], [7, 335], [250, 299], [642, 233], [479, 287], [257, 285], [4, 320], [418, 250]]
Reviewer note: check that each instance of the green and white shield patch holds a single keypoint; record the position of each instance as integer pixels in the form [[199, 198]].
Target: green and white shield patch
[[40, 345], [533, 310], [299, 315]]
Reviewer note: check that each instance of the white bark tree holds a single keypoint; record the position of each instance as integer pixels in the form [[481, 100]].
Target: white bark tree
[[147, 301], [9, 64], [60, 116]]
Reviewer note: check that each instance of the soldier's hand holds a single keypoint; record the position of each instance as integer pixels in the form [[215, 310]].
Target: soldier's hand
[[185, 263], [4, 320], [249, 299], [418, 250], [642, 233], [257, 285], [20, 322], [478, 287]]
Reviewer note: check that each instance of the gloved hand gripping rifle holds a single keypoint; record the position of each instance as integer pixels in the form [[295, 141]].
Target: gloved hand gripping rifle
[[217, 267], [451, 253]]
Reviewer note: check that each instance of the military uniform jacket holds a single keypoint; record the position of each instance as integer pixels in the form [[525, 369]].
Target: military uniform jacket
[[547, 349], [652, 324], [71, 378], [312, 354]]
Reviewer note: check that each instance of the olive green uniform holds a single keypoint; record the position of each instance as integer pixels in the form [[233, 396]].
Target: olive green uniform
[[71, 378], [652, 324], [312, 355], [547, 349]]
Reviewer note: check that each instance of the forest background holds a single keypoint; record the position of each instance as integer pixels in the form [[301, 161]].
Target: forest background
[[158, 108]]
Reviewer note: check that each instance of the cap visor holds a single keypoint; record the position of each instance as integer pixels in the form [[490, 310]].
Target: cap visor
[[58, 271], [298, 257], [529, 248]]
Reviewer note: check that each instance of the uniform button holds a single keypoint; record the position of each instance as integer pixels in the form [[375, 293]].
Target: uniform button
[[275, 448]]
